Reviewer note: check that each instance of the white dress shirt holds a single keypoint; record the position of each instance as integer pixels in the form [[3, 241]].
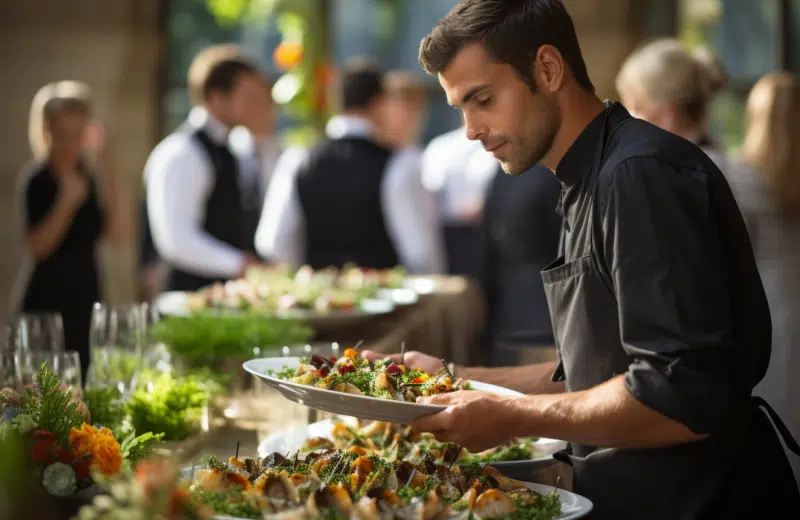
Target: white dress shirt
[[409, 210], [179, 177], [459, 171], [257, 157]]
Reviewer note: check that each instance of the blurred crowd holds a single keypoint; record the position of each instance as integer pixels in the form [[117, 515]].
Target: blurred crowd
[[222, 195]]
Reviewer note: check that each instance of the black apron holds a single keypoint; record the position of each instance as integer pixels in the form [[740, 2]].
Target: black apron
[[652, 483]]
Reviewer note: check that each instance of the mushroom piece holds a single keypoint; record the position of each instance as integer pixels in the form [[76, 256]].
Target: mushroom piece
[[272, 460], [319, 443], [335, 497], [348, 388], [277, 487], [493, 503], [503, 482]]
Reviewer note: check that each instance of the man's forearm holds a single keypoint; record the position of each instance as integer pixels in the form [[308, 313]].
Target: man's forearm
[[528, 379], [606, 415]]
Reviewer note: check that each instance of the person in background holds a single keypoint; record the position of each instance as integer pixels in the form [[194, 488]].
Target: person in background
[[256, 142], [350, 199], [522, 231], [202, 209], [667, 85], [404, 112], [68, 208], [458, 171], [768, 192]]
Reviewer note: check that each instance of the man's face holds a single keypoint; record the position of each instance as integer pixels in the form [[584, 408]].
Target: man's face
[[260, 118], [239, 106], [403, 122], [517, 126]]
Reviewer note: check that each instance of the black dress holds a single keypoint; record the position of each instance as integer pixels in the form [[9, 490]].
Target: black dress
[[67, 281]]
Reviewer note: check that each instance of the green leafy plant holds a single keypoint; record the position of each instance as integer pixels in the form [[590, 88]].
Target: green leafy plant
[[50, 407], [205, 338], [106, 407], [171, 406]]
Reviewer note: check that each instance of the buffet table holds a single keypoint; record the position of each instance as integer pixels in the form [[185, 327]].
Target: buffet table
[[447, 323]]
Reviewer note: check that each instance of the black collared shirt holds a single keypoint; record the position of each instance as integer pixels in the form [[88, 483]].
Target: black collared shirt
[[657, 282], [670, 239]]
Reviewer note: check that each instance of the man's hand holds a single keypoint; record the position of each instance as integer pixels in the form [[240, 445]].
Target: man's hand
[[474, 420], [250, 261], [413, 359]]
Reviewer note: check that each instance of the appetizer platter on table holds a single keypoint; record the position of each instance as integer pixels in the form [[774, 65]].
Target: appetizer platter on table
[[324, 296], [336, 484], [379, 391], [395, 442]]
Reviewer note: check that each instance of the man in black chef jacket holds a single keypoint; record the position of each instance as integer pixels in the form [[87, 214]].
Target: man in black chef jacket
[[658, 311]]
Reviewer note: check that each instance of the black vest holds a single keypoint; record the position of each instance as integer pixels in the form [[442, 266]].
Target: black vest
[[231, 213], [340, 195]]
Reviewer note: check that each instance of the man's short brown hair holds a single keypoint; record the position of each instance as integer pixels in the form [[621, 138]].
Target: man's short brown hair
[[511, 32], [216, 68], [406, 86]]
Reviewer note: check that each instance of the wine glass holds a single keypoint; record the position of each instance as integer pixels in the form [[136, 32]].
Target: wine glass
[[66, 365], [117, 341], [36, 332]]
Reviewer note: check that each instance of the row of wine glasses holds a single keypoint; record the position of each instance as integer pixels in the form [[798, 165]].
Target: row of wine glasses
[[119, 342]]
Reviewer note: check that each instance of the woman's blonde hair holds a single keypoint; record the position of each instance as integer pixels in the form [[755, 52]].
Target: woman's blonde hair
[[51, 100], [665, 72], [772, 137]]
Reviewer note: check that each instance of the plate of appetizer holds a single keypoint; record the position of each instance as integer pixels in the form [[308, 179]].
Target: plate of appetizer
[[379, 391], [340, 484], [321, 296], [394, 442]]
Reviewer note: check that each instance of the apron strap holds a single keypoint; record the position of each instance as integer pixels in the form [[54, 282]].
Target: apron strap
[[786, 435]]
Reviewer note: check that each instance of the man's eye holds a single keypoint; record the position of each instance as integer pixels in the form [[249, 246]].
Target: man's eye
[[485, 101]]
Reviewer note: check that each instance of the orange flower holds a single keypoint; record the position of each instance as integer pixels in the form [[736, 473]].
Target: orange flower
[[100, 445]]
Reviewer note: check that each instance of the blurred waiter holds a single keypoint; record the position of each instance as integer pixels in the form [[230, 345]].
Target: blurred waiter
[[348, 198], [522, 233], [459, 171], [202, 206]]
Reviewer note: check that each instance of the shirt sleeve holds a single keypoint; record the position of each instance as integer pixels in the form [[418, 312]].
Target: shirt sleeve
[[663, 253], [178, 184], [411, 216], [280, 236]]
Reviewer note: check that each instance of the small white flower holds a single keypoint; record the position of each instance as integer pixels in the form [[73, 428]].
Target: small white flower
[[59, 479], [103, 502]]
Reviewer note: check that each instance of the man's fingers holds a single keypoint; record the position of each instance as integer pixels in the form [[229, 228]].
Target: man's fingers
[[440, 399], [375, 356], [438, 422]]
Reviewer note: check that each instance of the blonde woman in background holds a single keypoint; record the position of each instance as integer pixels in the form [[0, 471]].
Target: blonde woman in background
[[667, 85], [768, 193], [65, 211]]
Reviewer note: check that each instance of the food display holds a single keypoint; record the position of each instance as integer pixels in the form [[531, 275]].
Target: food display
[[279, 289], [383, 379], [336, 484], [394, 442]]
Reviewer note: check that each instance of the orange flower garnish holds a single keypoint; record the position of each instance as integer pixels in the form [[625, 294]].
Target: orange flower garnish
[[100, 445]]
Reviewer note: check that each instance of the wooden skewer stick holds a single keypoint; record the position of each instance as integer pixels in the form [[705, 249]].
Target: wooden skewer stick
[[411, 477], [455, 458]]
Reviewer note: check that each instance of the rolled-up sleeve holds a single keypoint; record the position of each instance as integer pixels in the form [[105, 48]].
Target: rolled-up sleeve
[[663, 254]]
